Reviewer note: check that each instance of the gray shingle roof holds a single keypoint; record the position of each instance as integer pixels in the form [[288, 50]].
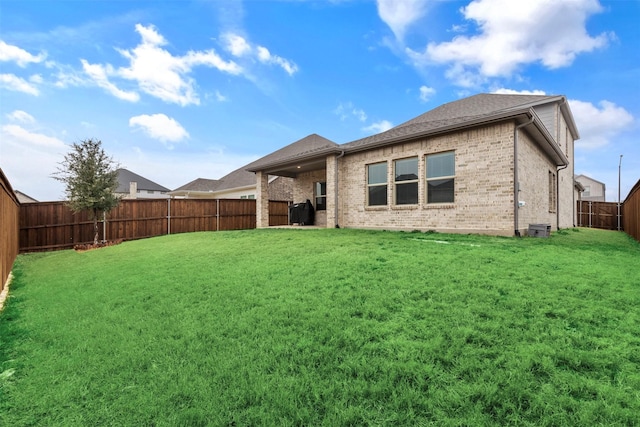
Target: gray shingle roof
[[126, 176], [457, 113], [200, 184], [308, 146], [238, 178]]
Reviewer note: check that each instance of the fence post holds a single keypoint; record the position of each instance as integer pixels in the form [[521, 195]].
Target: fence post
[[104, 227], [590, 212], [217, 214], [169, 216]]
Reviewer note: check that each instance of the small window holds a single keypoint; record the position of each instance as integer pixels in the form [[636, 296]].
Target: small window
[[321, 196], [149, 191], [440, 177], [406, 180], [251, 196], [243, 197], [377, 184], [552, 191], [587, 191]]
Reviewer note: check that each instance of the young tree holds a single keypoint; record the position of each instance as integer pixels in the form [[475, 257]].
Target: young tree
[[91, 179]]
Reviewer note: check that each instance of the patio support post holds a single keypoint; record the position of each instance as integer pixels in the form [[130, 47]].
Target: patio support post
[[262, 200]]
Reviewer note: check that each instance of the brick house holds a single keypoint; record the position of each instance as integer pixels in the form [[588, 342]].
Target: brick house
[[450, 169]]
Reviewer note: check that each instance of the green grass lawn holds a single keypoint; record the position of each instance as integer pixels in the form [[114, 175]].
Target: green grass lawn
[[326, 327]]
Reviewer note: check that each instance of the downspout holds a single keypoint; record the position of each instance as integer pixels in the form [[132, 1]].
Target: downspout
[[558, 169], [335, 191], [516, 185]]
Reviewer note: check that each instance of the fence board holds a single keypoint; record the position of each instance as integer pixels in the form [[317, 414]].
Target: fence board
[[631, 212], [598, 214], [52, 225], [9, 225], [278, 213]]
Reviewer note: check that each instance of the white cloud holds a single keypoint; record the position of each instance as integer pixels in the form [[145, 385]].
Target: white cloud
[[513, 34], [504, 91], [599, 125], [160, 127], [238, 46], [21, 135], [17, 84], [400, 14], [19, 56], [21, 117], [156, 71], [346, 110], [381, 126], [99, 74], [29, 158], [426, 93]]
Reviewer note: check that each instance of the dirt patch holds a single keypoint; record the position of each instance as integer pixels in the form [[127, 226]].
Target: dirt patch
[[5, 291], [91, 246]]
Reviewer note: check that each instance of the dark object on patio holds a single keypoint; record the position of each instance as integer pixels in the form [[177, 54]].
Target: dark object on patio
[[302, 213]]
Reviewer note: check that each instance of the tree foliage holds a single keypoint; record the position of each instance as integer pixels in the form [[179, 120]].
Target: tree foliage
[[90, 179]]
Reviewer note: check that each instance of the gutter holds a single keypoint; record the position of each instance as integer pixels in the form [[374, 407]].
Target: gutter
[[516, 185]]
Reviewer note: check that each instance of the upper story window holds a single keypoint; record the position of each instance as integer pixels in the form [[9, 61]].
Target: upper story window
[[377, 184], [320, 190], [406, 181], [440, 177]]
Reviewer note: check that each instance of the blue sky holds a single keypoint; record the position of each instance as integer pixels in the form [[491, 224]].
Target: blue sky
[[179, 90]]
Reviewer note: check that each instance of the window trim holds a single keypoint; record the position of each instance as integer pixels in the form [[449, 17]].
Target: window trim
[[380, 184], [317, 196], [438, 178], [553, 193], [409, 181]]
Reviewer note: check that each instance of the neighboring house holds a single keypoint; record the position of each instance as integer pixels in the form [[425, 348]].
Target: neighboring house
[[451, 169], [134, 186], [594, 191], [23, 198], [239, 184]]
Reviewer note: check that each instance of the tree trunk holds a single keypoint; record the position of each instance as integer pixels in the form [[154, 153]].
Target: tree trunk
[[95, 227]]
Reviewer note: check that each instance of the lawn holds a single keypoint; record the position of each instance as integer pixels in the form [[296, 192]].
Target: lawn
[[326, 327]]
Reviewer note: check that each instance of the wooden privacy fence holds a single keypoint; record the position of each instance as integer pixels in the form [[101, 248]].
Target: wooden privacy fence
[[9, 213], [598, 214], [52, 225], [631, 212]]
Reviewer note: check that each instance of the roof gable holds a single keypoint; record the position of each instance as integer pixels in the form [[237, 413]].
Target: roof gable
[[126, 176], [306, 147]]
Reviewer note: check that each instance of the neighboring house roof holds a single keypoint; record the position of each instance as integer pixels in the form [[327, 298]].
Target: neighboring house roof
[[588, 178], [464, 113], [199, 184], [23, 198], [238, 179], [126, 176]]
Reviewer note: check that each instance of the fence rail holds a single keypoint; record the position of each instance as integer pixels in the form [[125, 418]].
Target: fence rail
[[52, 225]]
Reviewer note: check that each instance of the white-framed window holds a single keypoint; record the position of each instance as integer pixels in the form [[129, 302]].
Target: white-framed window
[[320, 194], [406, 181], [440, 172], [553, 195], [377, 184]]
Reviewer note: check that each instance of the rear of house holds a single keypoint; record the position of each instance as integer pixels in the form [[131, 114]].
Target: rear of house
[[451, 169]]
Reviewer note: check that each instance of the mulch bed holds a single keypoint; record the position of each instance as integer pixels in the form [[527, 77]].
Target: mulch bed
[[91, 246]]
